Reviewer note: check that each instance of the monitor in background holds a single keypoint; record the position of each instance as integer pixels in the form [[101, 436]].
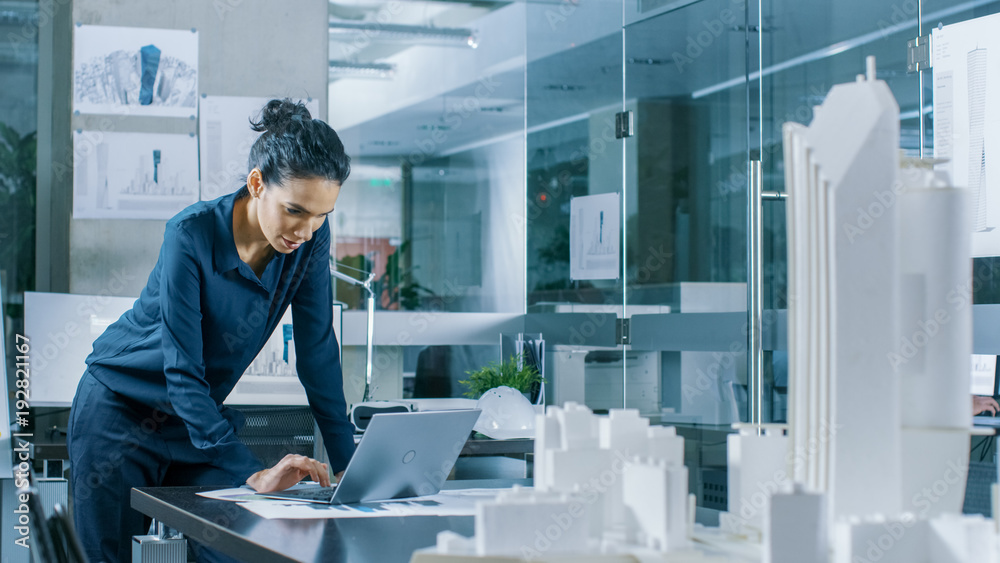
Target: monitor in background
[[983, 380]]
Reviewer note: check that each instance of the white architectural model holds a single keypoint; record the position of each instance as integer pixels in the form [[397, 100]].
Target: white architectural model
[[880, 329]]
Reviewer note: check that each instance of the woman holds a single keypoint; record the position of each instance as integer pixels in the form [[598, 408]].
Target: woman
[[148, 411]]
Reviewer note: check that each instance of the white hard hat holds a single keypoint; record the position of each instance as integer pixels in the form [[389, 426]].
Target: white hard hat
[[506, 414]]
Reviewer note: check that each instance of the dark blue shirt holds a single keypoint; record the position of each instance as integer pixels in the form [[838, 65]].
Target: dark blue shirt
[[202, 319]]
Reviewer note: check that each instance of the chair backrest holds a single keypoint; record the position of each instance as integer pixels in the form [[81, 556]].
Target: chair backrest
[[271, 432], [43, 549], [67, 543]]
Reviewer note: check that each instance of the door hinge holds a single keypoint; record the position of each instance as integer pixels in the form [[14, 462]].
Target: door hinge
[[622, 331], [918, 54], [623, 124]]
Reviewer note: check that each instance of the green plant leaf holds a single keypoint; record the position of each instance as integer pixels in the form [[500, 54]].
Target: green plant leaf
[[496, 374]]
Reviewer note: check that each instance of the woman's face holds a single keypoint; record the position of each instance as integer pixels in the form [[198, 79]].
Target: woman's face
[[289, 215]]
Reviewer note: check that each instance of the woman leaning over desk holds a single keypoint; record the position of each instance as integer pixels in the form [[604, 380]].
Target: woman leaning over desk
[[148, 411]]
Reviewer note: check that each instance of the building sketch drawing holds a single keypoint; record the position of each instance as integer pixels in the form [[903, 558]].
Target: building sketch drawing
[[133, 175], [135, 71], [976, 61]]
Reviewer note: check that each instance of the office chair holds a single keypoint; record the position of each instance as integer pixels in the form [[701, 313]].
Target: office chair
[[43, 548], [67, 545], [53, 539]]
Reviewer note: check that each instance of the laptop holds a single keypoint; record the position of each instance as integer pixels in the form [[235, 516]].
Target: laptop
[[401, 455]]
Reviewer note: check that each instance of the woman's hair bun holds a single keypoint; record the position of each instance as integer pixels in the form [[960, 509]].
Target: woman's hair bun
[[277, 115]]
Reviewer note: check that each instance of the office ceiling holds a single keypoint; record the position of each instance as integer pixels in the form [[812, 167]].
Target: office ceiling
[[681, 54]]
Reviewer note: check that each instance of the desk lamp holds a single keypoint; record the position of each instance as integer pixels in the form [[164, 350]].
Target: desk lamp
[[367, 284]]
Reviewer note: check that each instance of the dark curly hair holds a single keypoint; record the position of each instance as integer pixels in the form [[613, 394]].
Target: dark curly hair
[[294, 145]]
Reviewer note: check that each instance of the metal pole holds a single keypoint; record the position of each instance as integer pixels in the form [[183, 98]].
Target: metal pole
[[754, 295]]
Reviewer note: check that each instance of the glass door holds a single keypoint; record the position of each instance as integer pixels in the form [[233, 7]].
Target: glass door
[[685, 201], [574, 239], [804, 53]]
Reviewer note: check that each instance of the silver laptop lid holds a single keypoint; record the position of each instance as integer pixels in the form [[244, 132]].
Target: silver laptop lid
[[405, 455]]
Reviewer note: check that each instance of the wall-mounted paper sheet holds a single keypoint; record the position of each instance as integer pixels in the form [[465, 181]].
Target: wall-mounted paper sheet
[[966, 61], [62, 329], [226, 139], [594, 252], [133, 175], [135, 71]]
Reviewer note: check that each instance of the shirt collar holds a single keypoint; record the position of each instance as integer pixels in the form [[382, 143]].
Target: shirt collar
[[225, 256]]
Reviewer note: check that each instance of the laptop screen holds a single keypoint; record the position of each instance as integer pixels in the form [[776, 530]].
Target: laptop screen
[[983, 378]]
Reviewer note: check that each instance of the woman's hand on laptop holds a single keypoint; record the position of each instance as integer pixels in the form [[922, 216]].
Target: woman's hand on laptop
[[984, 405], [287, 472]]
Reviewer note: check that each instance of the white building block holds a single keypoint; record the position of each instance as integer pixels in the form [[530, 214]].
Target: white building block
[[843, 296], [624, 430], [663, 443], [757, 470], [960, 539], [449, 542], [796, 530], [656, 497], [935, 466], [902, 540], [531, 525], [578, 427]]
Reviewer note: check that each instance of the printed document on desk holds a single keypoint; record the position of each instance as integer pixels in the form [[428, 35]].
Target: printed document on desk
[[459, 502]]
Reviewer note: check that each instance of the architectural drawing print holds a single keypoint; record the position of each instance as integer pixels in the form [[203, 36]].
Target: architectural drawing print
[[135, 71]]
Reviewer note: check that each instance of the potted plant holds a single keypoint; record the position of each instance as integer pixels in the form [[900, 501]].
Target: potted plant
[[514, 373]]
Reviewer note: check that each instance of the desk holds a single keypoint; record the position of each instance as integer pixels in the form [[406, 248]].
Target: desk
[[242, 534]]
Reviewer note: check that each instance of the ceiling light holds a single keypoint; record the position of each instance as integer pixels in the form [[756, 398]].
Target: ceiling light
[[374, 31], [346, 69]]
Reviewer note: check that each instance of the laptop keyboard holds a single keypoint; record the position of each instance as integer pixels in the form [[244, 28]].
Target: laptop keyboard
[[320, 494]]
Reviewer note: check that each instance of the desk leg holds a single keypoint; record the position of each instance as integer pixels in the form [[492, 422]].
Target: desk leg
[[165, 546]]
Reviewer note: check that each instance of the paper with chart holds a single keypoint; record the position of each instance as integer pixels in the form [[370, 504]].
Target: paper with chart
[[133, 175], [135, 71], [966, 60], [459, 502], [594, 251], [226, 138]]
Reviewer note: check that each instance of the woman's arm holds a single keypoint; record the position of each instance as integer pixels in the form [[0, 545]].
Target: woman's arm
[[183, 355], [318, 357]]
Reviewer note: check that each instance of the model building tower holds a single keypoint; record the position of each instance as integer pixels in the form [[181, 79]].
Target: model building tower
[[844, 398], [879, 317]]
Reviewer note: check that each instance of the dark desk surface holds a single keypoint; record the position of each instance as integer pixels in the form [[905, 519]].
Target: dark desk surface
[[481, 445], [242, 534]]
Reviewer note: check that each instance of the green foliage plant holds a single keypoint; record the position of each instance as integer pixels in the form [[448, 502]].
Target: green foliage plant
[[496, 374]]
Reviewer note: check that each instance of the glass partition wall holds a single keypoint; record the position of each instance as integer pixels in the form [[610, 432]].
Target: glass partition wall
[[586, 173]]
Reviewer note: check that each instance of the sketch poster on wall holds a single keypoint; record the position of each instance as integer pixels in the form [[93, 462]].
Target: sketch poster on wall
[[594, 249], [135, 71], [133, 175], [966, 60], [226, 138]]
